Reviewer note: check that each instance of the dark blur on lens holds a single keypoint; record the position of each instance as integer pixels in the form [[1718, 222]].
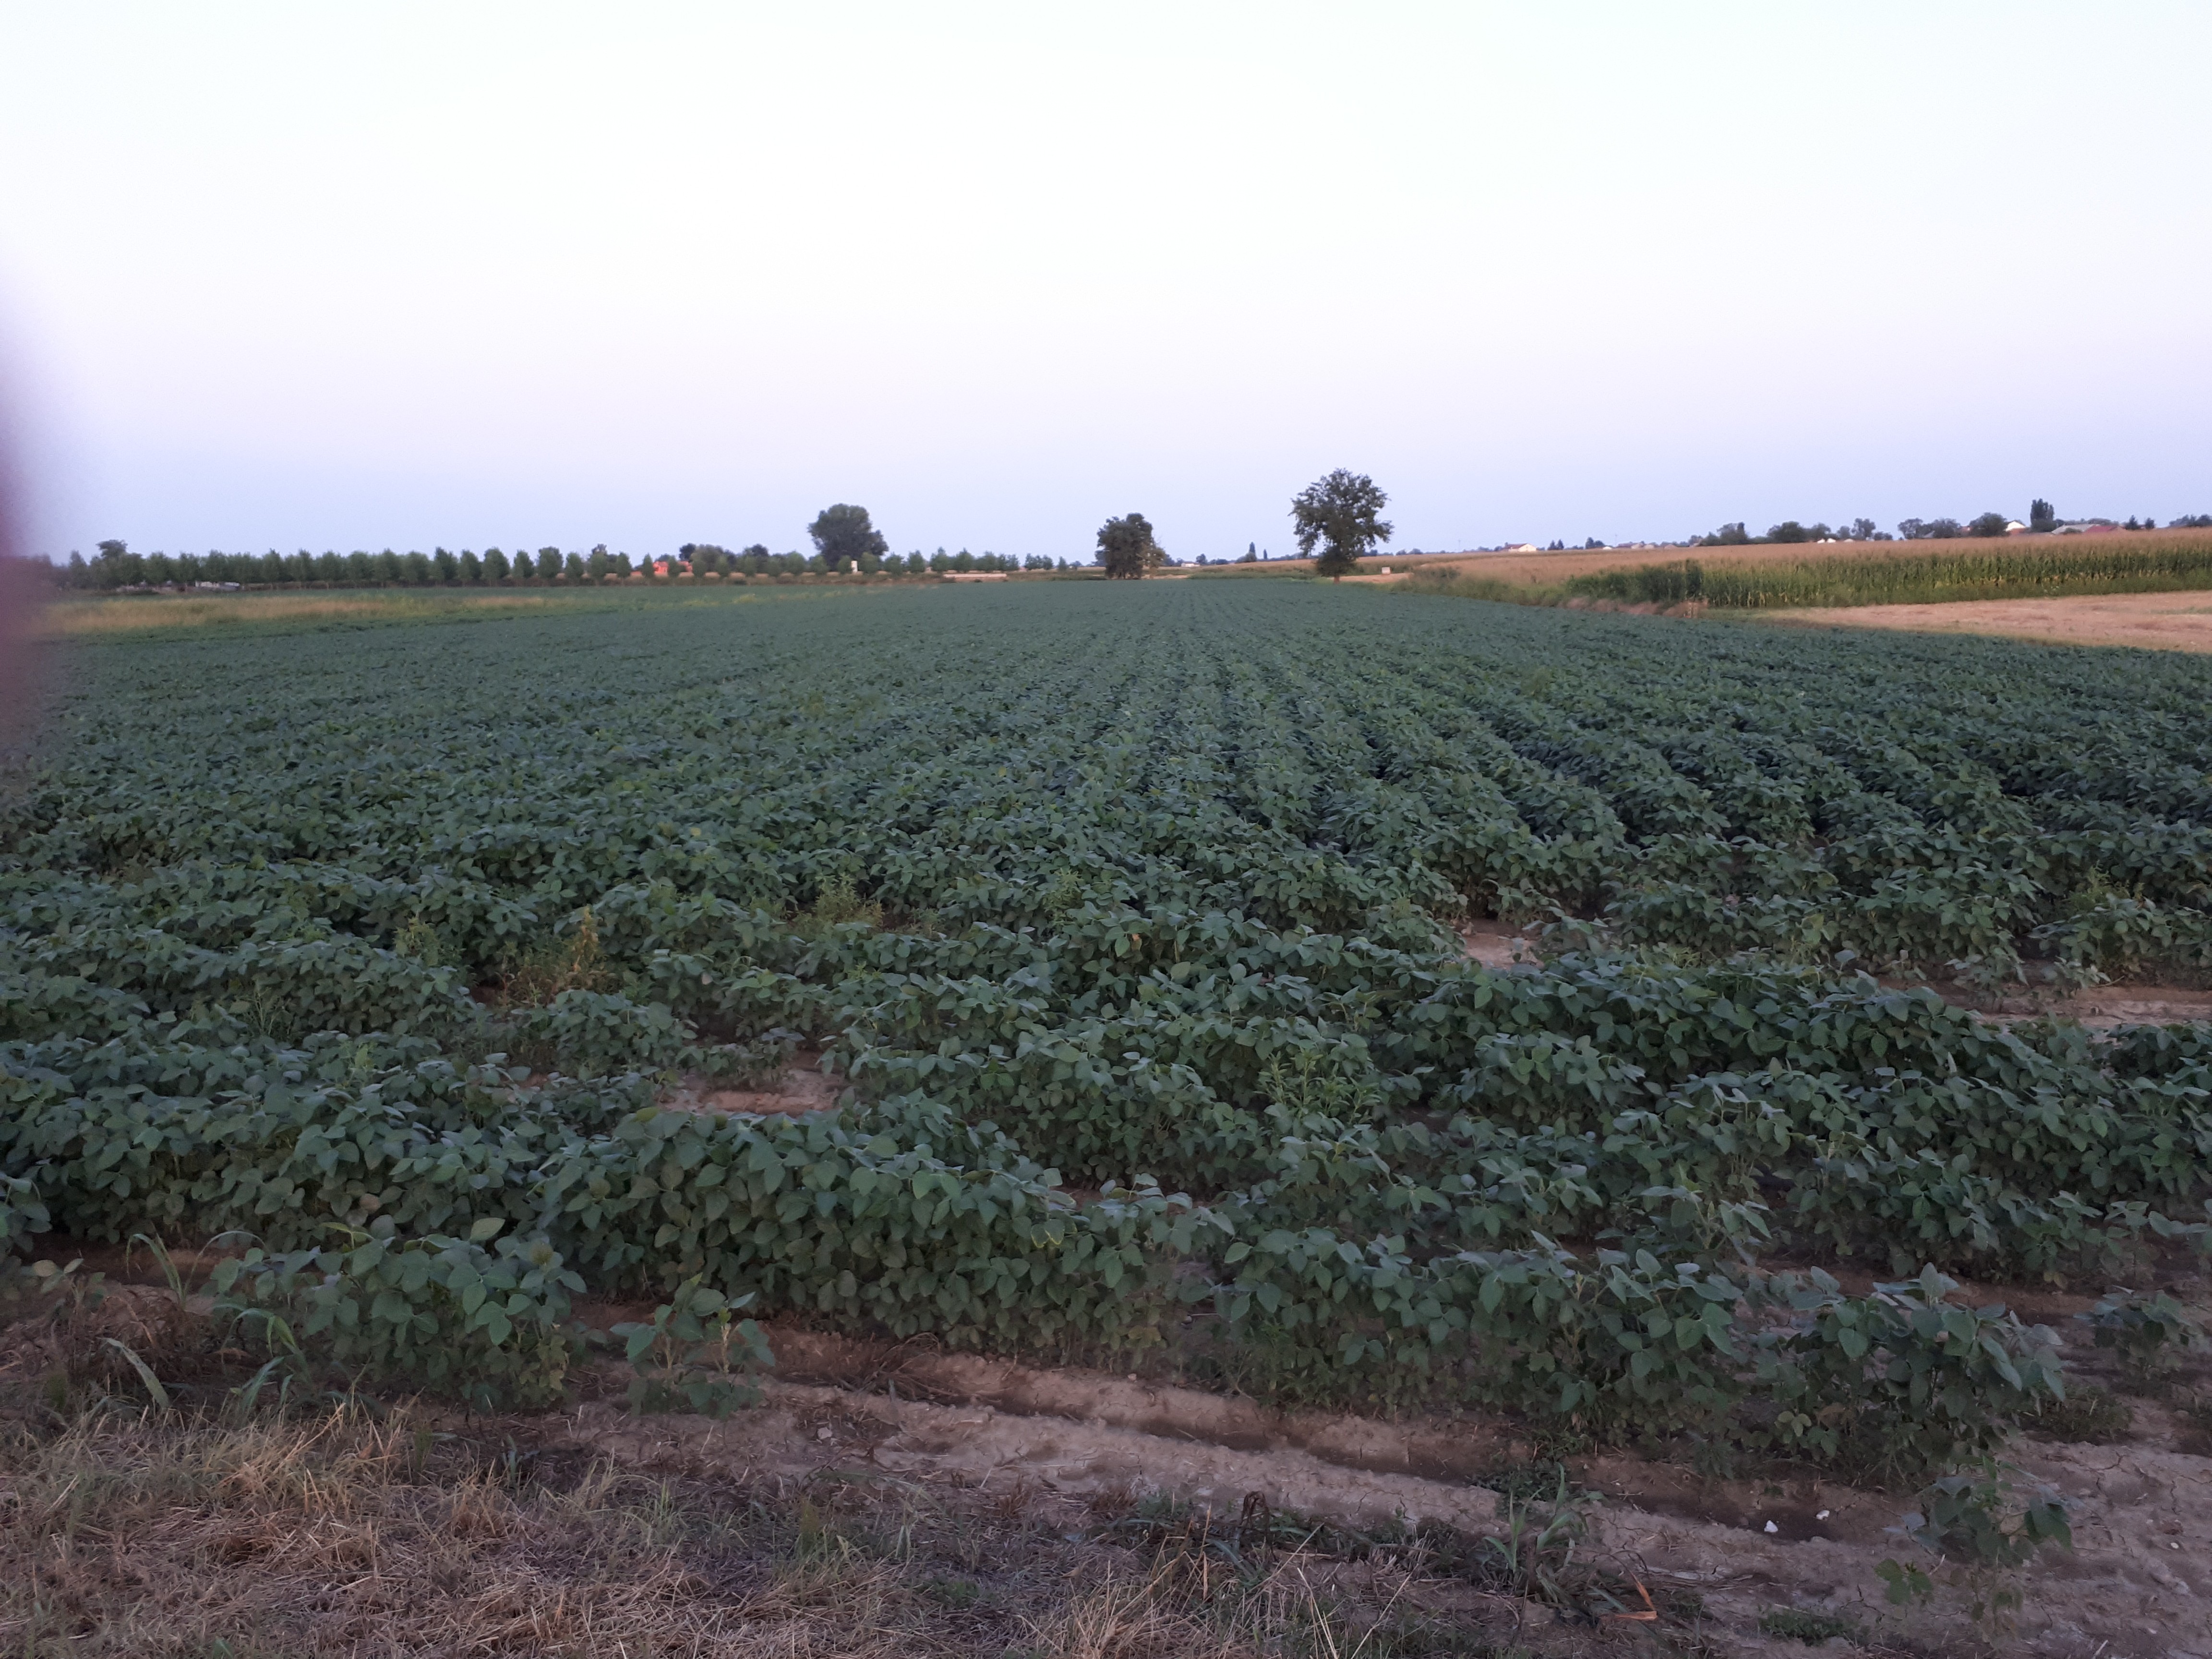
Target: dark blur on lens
[[20, 591]]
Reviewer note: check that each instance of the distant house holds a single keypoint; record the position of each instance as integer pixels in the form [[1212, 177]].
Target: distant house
[[2083, 527], [1524, 547], [2014, 527]]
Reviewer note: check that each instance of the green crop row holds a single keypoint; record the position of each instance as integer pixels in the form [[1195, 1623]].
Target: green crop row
[[1125, 921]]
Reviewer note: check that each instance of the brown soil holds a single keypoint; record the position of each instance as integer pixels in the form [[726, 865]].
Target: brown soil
[[803, 1087], [2115, 1005], [1494, 945], [2158, 622]]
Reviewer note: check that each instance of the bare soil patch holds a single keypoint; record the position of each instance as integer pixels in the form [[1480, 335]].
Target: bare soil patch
[[1494, 945], [2109, 1006], [2156, 622], [802, 1087]]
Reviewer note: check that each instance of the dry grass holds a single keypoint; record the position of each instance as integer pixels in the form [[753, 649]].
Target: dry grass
[[343, 1533]]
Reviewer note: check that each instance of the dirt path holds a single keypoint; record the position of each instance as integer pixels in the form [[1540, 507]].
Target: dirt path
[[2158, 622], [1066, 1446]]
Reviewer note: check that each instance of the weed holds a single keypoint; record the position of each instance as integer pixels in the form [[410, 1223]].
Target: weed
[[1520, 1482], [542, 972], [837, 902], [2148, 1333], [420, 942], [955, 1593], [1974, 1528], [1540, 1556], [1795, 1623], [2088, 1415], [694, 1355]]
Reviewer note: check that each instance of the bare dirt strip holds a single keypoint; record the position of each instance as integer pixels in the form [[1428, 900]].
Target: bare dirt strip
[[1065, 1445], [2157, 622]]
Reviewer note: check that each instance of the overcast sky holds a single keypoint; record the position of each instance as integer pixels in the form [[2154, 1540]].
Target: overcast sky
[[334, 276]]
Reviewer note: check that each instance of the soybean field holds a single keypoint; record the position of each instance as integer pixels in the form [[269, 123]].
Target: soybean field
[[1123, 915]]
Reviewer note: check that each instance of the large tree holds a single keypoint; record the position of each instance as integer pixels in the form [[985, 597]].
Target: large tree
[[1126, 547], [843, 536], [1340, 513]]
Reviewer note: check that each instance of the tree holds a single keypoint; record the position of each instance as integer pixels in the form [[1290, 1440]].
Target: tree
[[1989, 523], [843, 536], [1728, 535], [2042, 517], [1126, 549], [1862, 530], [1341, 514]]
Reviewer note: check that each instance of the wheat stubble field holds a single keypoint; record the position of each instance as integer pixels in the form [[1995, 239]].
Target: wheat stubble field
[[2150, 622]]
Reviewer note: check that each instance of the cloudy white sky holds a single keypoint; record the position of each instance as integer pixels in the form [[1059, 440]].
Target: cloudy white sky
[[309, 275]]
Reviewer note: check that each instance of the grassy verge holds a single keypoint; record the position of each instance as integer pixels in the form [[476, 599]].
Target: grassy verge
[[132, 616], [2046, 568]]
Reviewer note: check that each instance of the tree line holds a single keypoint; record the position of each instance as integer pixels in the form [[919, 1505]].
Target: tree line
[[115, 566], [2042, 520]]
